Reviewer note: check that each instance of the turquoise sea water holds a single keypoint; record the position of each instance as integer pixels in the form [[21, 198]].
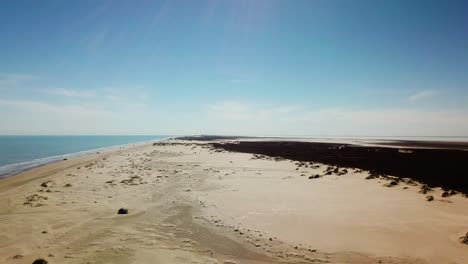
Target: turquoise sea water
[[18, 153]]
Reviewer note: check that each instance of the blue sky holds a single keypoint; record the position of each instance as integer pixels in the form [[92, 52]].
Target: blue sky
[[234, 67]]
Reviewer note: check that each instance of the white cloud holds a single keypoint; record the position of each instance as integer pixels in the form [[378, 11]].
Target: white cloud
[[71, 92], [422, 95]]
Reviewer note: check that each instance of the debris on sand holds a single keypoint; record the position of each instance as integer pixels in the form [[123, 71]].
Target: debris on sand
[[315, 176], [258, 156], [464, 239], [342, 172], [391, 184], [18, 256], [68, 185], [40, 261], [409, 181], [425, 189], [134, 180], [122, 211], [429, 198], [48, 184], [35, 200], [372, 175], [332, 170], [448, 193], [277, 159]]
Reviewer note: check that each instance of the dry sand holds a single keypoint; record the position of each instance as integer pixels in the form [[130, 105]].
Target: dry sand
[[190, 204]]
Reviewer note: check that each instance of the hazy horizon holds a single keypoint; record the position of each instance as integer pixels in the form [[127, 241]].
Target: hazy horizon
[[258, 68], [390, 137]]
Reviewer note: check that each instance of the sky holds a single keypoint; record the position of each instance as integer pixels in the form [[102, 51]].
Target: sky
[[279, 68]]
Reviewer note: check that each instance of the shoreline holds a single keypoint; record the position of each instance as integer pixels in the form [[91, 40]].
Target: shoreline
[[43, 170], [10, 170], [191, 202]]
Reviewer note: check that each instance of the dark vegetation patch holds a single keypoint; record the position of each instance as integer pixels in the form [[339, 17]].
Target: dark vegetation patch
[[444, 168]]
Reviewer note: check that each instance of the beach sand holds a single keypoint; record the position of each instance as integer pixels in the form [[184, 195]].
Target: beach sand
[[189, 203]]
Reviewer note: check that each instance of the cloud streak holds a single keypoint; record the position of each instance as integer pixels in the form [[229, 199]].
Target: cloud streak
[[15, 78], [38, 107], [71, 92], [422, 95], [105, 96]]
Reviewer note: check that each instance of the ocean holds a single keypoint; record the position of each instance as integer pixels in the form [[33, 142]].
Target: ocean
[[19, 153]]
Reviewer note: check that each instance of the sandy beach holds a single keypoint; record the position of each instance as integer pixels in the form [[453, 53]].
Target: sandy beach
[[189, 202]]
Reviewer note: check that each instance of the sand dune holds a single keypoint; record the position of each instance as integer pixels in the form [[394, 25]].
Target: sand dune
[[189, 203]]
